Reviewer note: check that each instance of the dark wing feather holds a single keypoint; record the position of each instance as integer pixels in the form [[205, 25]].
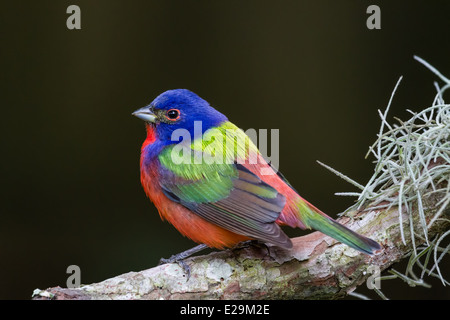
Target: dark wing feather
[[250, 207]]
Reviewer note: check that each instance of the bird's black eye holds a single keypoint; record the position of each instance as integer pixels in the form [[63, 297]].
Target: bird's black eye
[[173, 114]]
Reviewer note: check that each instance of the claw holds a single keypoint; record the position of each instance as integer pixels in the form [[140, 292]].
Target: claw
[[186, 268], [179, 259], [180, 262]]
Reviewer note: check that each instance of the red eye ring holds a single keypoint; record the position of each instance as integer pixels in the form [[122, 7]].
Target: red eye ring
[[173, 114]]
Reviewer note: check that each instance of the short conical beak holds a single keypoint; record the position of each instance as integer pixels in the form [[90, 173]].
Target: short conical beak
[[145, 114]]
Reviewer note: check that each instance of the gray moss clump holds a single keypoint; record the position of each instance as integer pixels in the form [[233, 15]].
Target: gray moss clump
[[412, 163]]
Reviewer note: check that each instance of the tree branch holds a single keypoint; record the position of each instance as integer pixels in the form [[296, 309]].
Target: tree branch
[[316, 268]]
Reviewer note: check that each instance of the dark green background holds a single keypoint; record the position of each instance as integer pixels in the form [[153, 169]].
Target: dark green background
[[70, 148]]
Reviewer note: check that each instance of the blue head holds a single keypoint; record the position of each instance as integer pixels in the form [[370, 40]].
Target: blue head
[[179, 109]]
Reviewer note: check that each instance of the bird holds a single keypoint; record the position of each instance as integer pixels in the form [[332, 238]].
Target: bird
[[208, 179]]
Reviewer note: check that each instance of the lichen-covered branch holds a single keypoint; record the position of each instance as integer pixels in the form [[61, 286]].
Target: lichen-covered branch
[[316, 268]]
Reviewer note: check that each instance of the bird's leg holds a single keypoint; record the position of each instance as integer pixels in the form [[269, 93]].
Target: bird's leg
[[252, 243], [179, 258], [247, 243]]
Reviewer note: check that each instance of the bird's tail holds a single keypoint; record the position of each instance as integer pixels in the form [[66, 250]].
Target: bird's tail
[[313, 218]]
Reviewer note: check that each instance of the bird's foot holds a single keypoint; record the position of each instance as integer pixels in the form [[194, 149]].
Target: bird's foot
[[246, 244], [180, 262], [258, 245], [251, 243], [179, 259]]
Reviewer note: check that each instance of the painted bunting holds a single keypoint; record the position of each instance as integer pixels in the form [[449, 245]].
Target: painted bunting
[[207, 178]]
